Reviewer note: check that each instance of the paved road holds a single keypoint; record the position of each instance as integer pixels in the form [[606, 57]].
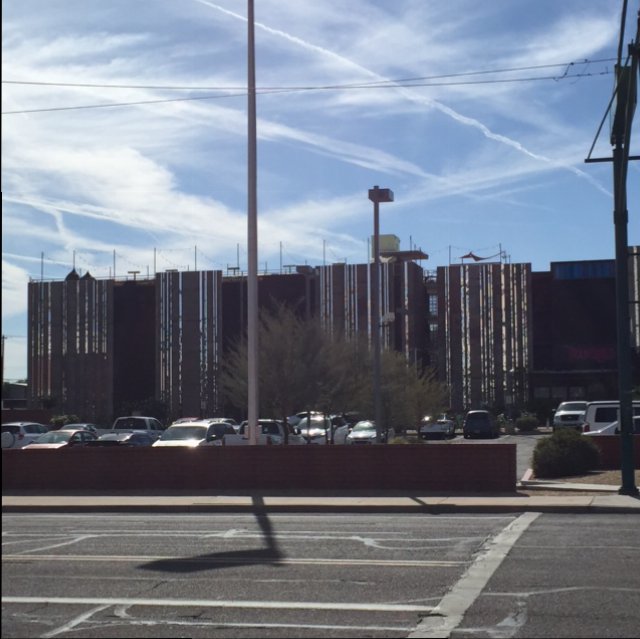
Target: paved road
[[271, 575], [525, 445]]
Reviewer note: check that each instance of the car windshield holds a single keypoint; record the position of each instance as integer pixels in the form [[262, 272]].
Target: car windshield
[[184, 432], [477, 417], [130, 422], [55, 437], [573, 406], [362, 426], [270, 429], [316, 422]]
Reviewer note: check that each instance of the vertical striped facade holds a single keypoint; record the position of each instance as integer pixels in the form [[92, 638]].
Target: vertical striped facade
[[345, 307], [188, 354], [484, 333], [70, 341]]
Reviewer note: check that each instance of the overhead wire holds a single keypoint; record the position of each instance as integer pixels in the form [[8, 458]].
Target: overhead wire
[[423, 81], [357, 85]]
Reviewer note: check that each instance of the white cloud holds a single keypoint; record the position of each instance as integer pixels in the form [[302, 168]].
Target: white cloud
[[171, 176]]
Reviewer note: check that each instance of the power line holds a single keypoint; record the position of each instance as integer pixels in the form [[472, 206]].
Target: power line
[[358, 85], [395, 85]]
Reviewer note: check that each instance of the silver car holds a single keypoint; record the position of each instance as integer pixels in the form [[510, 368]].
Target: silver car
[[364, 432], [19, 434]]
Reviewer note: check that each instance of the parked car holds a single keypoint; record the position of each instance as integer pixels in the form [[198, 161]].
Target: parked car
[[194, 434], [225, 420], [480, 423], [136, 422], [19, 434], [441, 428], [316, 429], [364, 432], [614, 428], [294, 420], [272, 431], [602, 413], [62, 439], [93, 428], [125, 438], [569, 415]]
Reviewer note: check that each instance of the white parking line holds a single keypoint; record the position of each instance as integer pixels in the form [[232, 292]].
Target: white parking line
[[213, 603], [390, 563], [448, 614]]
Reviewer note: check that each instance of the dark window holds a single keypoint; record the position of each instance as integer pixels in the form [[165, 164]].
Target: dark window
[[606, 414], [583, 270]]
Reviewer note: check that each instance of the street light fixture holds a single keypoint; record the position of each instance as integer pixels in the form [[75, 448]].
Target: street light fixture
[[377, 195]]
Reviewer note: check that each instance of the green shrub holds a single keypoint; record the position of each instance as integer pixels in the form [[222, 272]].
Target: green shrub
[[565, 453], [527, 423], [58, 421]]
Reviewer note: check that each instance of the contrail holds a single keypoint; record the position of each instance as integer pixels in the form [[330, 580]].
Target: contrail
[[458, 117]]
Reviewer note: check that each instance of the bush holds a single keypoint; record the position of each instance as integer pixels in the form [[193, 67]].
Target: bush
[[527, 423], [58, 421], [565, 453]]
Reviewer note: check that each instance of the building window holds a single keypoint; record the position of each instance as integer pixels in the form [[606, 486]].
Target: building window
[[583, 270]]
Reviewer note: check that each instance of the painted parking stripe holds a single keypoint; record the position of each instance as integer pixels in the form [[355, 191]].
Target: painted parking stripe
[[448, 614], [212, 603], [391, 563]]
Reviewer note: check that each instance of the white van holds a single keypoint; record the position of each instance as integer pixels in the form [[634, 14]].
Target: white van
[[600, 414]]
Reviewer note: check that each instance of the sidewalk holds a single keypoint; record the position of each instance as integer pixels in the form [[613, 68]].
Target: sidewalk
[[571, 500]]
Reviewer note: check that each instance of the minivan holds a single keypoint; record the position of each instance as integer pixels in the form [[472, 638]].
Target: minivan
[[599, 414], [480, 423]]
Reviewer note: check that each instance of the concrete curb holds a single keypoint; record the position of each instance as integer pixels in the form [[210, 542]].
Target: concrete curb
[[278, 504]]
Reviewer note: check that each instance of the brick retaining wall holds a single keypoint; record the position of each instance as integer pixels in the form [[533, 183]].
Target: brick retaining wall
[[610, 451], [461, 468]]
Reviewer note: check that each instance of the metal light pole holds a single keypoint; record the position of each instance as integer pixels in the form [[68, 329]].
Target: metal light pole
[[626, 97], [377, 195], [620, 138], [252, 237]]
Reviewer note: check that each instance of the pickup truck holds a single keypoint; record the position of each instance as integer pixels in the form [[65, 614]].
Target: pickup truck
[[272, 433], [135, 422]]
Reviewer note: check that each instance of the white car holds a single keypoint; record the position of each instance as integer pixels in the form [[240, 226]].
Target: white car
[[614, 428], [364, 432], [62, 439], [569, 415], [437, 429], [316, 430], [19, 434], [194, 434]]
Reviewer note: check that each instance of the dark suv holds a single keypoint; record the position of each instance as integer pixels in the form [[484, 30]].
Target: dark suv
[[480, 423]]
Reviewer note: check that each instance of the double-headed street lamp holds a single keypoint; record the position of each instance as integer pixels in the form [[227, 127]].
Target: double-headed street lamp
[[377, 195]]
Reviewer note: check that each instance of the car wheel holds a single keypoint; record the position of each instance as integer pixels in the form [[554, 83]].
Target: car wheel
[[8, 439]]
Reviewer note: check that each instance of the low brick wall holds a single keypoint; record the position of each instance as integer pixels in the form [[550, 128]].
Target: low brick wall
[[465, 468], [611, 449]]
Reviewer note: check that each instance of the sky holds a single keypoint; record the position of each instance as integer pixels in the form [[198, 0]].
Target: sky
[[124, 135]]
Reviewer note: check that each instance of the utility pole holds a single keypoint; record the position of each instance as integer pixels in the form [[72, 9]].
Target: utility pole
[[626, 84], [625, 97]]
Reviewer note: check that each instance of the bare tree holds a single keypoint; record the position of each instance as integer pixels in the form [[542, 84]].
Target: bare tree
[[303, 367]]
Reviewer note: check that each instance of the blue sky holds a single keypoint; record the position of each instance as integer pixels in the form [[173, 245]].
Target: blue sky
[[477, 115]]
